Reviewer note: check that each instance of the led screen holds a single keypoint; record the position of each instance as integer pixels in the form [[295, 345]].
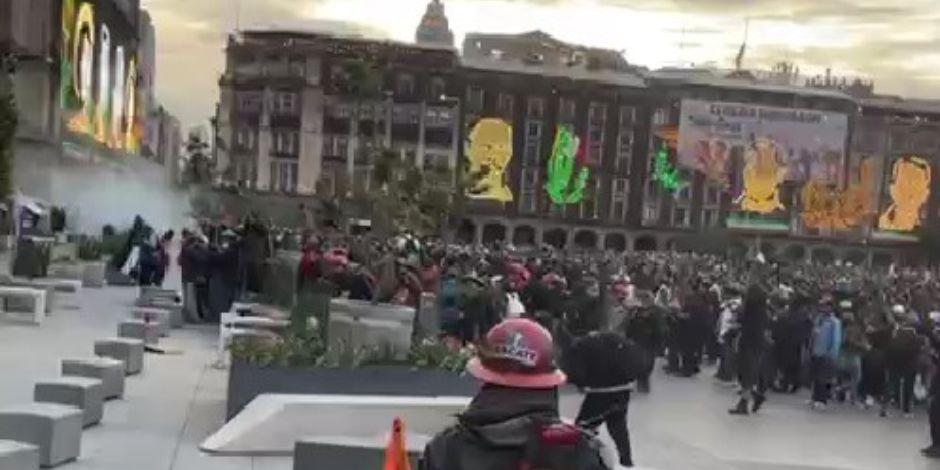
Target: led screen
[[98, 77]]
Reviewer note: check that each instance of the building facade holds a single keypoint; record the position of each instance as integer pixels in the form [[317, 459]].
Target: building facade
[[305, 113], [545, 90]]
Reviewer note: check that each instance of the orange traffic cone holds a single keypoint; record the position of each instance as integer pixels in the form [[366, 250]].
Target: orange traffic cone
[[396, 454]]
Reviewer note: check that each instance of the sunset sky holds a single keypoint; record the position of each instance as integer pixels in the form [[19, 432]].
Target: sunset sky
[[896, 43]]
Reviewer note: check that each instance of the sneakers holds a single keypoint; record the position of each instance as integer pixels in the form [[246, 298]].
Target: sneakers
[[870, 402], [758, 402], [740, 409], [819, 406]]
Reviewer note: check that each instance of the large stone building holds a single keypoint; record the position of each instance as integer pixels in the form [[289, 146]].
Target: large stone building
[[292, 118]]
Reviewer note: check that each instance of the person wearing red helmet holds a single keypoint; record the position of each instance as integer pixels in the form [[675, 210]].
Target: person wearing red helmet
[[513, 421]]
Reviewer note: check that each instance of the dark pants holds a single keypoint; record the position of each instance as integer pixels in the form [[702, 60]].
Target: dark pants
[[902, 387], [935, 421], [749, 372], [823, 370], [202, 300], [610, 409], [789, 364]]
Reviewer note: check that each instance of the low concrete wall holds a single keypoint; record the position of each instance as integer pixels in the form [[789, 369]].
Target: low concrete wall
[[246, 381]]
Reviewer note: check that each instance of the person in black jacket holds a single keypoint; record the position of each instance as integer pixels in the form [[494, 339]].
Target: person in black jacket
[[751, 344], [604, 366], [933, 451], [513, 421]]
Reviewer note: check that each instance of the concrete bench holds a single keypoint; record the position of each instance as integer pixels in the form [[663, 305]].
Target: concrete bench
[[232, 325], [130, 351], [175, 309], [109, 371], [158, 316], [15, 455], [36, 299], [149, 333], [80, 392], [55, 429], [66, 286]]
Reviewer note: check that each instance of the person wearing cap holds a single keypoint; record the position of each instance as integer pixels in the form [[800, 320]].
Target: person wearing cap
[[825, 350], [902, 356], [933, 451], [513, 421]]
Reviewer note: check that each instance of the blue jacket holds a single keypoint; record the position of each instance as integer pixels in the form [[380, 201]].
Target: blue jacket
[[827, 337]]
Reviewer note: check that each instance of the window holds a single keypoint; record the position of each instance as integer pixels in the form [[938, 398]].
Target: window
[[533, 143], [597, 119], [709, 218], [249, 101], [680, 217], [405, 84], [297, 66], [535, 108], [661, 117], [651, 204], [625, 150], [528, 190], [327, 184], [627, 116], [475, 99], [712, 195], [284, 176], [618, 199], [286, 103], [437, 89], [286, 142], [566, 111], [685, 190], [589, 203], [245, 138], [506, 104]]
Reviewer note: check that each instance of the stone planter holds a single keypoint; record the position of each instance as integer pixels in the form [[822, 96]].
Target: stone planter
[[246, 381]]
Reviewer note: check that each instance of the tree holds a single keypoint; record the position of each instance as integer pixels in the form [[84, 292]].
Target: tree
[[8, 123], [199, 165]]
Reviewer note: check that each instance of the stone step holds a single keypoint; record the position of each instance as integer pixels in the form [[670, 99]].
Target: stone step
[[109, 371], [130, 351], [56, 430], [81, 392]]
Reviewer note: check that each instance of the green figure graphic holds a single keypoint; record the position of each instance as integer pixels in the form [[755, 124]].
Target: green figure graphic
[[562, 186]]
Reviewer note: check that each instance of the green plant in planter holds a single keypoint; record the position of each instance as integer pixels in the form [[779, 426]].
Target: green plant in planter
[[433, 354], [89, 249]]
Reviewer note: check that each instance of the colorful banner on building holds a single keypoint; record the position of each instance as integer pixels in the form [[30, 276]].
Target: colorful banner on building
[[567, 169], [489, 153], [810, 144], [908, 190]]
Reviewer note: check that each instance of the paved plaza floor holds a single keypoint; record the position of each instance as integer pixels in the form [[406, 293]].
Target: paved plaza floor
[[179, 400]]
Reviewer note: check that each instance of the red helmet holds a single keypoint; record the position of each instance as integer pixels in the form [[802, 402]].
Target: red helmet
[[517, 353]]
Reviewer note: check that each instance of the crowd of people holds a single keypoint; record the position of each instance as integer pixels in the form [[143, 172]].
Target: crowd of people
[[847, 334]]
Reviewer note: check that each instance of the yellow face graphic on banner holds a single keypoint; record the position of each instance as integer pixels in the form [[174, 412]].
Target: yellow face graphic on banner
[[489, 154], [827, 208], [910, 189], [762, 175]]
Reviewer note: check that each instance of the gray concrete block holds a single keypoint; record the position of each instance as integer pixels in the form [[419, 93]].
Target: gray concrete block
[[94, 274], [130, 351], [109, 371], [149, 333], [55, 429], [81, 392], [157, 316], [15, 455]]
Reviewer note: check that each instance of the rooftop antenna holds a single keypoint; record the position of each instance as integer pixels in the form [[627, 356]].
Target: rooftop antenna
[[739, 60]]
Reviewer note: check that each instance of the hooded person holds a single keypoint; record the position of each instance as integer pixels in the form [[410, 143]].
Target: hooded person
[[513, 420]]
